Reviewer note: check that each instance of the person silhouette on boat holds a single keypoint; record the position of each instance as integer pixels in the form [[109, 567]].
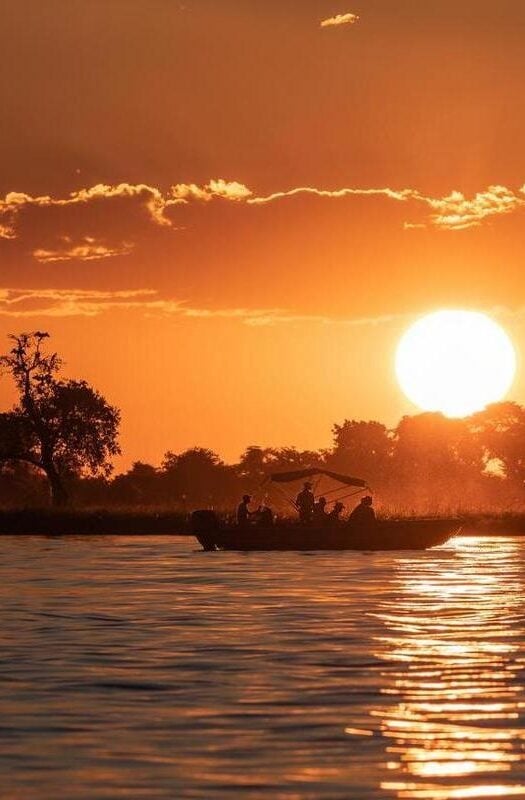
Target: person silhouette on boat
[[243, 511], [320, 516], [265, 516], [335, 514], [363, 514], [305, 503]]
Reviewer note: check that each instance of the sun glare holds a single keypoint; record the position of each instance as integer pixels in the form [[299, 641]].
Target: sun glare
[[456, 362]]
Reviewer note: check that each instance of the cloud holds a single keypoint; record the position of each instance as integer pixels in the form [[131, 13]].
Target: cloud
[[6, 232], [150, 199], [227, 190], [14, 203], [340, 19], [276, 317], [54, 303], [104, 220], [411, 226], [456, 212], [26, 303], [403, 194], [88, 249]]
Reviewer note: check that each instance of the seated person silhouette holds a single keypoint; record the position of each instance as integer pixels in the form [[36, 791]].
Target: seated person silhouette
[[335, 514], [264, 516], [363, 514], [243, 512], [319, 515]]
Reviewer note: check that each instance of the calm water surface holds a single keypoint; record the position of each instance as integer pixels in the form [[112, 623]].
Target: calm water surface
[[140, 668]]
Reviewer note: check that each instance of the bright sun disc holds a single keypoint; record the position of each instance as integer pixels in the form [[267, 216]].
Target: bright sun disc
[[456, 362]]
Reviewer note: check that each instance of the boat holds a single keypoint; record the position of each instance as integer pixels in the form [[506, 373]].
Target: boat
[[408, 534], [388, 534]]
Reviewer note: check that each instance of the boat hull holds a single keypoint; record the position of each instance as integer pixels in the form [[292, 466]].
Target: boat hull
[[386, 535]]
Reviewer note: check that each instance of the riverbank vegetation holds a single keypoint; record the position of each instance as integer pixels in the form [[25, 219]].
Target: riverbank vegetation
[[58, 443], [427, 464], [161, 522]]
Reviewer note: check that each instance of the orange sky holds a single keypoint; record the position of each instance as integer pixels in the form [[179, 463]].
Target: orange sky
[[150, 220]]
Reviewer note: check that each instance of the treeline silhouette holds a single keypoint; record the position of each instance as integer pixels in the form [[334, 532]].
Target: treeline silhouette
[[58, 443], [427, 464]]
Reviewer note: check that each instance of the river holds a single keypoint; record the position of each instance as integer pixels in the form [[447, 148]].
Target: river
[[138, 667]]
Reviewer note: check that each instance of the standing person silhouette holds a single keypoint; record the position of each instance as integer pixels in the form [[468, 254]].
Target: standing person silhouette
[[305, 503]]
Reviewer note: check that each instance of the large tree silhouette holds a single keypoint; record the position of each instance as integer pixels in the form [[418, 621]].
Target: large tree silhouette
[[361, 448], [500, 431], [198, 474], [62, 427]]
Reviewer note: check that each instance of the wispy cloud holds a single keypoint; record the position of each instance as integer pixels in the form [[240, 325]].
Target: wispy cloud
[[6, 231], [34, 302], [88, 249], [412, 226], [55, 303], [457, 212], [340, 19], [403, 194], [227, 190], [26, 303], [78, 227], [454, 212], [154, 202], [15, 202]]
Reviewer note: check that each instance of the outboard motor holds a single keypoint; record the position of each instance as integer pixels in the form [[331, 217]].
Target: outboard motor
[[204, 525]]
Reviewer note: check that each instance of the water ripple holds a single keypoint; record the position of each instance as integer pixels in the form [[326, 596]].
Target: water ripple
[[139, 668]]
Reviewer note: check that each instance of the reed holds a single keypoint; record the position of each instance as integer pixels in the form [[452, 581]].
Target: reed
[[50, 522], [154, 521]]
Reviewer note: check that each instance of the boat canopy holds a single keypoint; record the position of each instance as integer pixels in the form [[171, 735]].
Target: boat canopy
[[300, 474]]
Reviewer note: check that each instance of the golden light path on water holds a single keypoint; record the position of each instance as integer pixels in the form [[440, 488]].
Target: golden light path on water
[[458, 698], [136, 667]]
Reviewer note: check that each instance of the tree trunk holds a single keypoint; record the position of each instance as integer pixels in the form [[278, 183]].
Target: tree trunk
[[59, 496]]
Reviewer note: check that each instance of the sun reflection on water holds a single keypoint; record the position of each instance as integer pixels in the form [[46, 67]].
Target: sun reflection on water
[[453, 690]]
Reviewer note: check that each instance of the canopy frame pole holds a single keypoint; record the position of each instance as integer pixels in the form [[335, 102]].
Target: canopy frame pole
[[267, 481], [288, 499], [340, 489], [316, 484], [351, 494]]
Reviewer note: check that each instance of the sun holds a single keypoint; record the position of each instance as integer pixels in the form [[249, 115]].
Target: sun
[[456, 362]]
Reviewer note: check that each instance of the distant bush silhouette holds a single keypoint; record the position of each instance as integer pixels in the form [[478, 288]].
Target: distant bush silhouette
[[428, 463]]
